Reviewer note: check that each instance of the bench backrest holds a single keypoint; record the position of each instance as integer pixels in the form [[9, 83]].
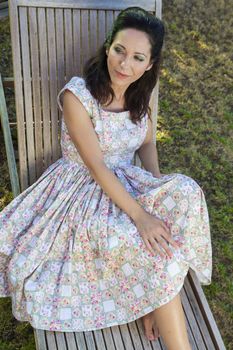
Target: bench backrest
[[51, 41]]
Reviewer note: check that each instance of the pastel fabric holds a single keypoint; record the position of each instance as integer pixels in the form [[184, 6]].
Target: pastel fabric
[[72, 260]]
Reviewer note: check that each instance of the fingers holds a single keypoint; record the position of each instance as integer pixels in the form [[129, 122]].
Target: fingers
[[158, 241], [168, 237], [153, 246]]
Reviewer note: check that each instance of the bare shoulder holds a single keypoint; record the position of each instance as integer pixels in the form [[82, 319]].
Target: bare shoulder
[[81, 130]]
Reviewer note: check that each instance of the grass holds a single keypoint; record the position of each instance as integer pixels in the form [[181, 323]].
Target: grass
[[194, 137]]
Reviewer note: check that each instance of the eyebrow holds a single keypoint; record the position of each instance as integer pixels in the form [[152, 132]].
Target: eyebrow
[[140, 53]]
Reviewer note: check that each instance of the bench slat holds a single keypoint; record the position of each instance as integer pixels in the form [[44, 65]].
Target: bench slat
[[108, 339], [80, 341], [51, 340], [70, 339], [117, 338]]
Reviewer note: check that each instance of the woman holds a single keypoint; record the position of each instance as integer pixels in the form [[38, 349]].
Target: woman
[[97, 241]]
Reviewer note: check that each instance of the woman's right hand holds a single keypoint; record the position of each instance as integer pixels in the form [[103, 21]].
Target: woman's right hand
[[155, 234]]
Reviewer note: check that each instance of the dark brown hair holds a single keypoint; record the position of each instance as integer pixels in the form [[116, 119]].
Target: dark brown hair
[[137, 95]]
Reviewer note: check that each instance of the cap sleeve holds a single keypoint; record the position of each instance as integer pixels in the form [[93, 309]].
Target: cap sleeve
[[78, 87]]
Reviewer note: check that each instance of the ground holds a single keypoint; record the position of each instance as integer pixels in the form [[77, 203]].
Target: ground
[[194, 137]]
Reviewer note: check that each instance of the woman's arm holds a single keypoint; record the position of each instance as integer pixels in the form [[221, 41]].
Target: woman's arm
[[153, 231], [85, 139], [148, 153]]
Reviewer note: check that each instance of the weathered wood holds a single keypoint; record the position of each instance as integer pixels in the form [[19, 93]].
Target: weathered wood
[[50, 336], [77, 42], [199, 300], [192, 323], [27, 93], [99, 340], [134, 334], [35, 78], [50, 19], [108, 339], [61, 343], [116, 334], [89, 4], [19, 101], [80, 341], [8, 143], [70, 339], [126, 337], [40, 340], [44, 86], [58, 38]]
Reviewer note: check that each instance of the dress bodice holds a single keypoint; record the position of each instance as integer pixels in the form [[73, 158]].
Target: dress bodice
[[118, 136]]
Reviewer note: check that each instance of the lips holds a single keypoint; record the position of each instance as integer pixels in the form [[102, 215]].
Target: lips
[[122, 75]]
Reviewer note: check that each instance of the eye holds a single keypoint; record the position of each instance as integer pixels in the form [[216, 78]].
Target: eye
[[117, 49], [139, 58]]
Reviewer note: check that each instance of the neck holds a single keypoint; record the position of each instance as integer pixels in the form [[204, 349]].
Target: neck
[[119, 92]]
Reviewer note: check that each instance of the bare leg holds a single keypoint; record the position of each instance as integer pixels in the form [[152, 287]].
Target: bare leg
[[171, 324]]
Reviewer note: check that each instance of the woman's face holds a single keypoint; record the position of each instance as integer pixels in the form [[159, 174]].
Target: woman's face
[[128, 54]]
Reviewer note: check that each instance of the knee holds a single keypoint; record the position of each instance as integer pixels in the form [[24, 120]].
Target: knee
[[188, 185]]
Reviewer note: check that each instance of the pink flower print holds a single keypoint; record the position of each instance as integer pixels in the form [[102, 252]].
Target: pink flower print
[[93, 286], [110, 316], [175, 230], [133, 279], [163, 276], [97, 309], [130, 296], [67, 324], [76, 312], [107, 294], [48, 299], [168, 288], [135, 308], [86, 299], [124, 286], [145, 285], [89, 322], [135, 264], [55, 326], [144, 302], [65, 302], [99, 321], [119, 274], [176, 212], [176, 195], [96, 298], [162, 211]]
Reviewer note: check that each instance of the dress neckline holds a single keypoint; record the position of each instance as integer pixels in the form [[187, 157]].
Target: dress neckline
[[112, 112], [104, 110]]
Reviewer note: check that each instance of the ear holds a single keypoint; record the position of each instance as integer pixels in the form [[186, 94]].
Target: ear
[[150, 66], [106, 52]]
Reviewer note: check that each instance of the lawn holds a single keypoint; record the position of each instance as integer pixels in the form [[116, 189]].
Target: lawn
[[194, 137]]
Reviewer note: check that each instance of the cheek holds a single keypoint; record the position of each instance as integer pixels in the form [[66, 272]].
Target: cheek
[[112, 60], [139, 70]]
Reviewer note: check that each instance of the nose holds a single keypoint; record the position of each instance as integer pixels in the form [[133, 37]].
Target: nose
[[125, 62]]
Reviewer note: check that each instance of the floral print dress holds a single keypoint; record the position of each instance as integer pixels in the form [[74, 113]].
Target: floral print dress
[[72, 260]]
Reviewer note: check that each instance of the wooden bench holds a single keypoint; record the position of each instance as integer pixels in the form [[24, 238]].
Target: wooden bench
[[50, 42]]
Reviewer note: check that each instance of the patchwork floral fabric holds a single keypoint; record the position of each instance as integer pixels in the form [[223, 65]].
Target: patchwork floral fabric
[[72, 260]]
